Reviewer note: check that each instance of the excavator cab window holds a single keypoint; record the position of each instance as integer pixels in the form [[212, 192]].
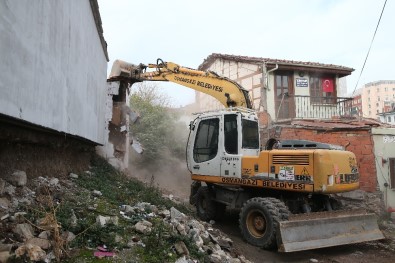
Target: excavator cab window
[[230, 130], [250, 134], [206, 142]]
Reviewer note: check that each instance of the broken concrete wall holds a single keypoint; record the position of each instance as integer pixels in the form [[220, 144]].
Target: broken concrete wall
[[357, 141], [116, 149], [53, 70]]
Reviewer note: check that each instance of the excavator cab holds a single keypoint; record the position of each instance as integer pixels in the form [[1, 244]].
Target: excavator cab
[[218, 140]]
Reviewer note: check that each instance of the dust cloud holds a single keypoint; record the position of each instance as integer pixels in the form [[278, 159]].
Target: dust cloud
[[171, 175]]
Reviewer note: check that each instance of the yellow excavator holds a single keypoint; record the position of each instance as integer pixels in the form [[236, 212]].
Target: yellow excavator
[[282, 192]]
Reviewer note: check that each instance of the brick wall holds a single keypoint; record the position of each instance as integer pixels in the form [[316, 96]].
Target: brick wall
[[357, 141]]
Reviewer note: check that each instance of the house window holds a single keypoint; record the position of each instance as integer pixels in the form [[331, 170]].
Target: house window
[[389, 118], [392, 172], [322, 90]]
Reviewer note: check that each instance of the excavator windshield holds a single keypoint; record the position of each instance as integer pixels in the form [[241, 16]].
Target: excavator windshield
[[250, 134]]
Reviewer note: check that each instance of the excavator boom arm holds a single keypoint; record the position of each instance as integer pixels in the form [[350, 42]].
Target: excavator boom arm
[[226, 91]]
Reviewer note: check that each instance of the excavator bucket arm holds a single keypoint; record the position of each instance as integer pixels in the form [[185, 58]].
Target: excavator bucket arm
[[228, 92]]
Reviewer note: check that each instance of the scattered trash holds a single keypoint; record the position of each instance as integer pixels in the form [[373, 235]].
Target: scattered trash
[[102, 252]]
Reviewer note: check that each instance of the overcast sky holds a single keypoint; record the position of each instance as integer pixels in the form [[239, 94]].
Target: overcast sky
[[186, 32]]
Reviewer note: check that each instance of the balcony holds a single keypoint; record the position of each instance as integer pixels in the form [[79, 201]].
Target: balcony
[[307, 107]]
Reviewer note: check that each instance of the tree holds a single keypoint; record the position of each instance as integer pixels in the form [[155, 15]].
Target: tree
[[159, 131]]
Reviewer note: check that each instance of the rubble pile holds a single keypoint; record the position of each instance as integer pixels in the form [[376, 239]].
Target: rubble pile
[[30, 229], [207, 239], [20, 237], [372, 202]]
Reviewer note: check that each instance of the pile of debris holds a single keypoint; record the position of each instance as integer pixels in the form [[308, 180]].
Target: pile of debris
[[207, 239], [41, 240], [42, 237]]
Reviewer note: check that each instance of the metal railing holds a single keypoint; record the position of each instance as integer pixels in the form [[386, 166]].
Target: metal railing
[[307, 107]]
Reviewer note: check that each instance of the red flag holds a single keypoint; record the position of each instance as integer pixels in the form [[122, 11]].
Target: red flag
[[327, 85]]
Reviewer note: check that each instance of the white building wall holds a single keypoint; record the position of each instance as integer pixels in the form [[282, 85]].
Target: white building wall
[[341, 86], [53, 69], [384, 148], [388, 117]]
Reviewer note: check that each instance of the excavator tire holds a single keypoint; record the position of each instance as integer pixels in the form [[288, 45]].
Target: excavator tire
[[282, 208], [205, 206], [259, 221]]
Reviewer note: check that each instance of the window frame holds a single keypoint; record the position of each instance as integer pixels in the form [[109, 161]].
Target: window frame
[[210, 151], [231, 134], [317, 95], [250, 134]]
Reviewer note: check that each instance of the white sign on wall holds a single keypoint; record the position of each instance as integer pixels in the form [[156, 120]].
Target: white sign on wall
[[302, 82]]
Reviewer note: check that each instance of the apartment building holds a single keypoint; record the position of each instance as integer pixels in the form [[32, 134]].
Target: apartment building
[[377, 97]]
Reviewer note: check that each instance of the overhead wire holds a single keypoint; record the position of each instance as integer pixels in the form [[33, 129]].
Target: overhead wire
[[371, 42]]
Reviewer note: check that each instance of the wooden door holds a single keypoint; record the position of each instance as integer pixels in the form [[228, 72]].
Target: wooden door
[[283, 95]]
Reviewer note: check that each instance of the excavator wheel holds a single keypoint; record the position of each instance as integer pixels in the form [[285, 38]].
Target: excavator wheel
[[206, 208], [259, 221], [282, 208]]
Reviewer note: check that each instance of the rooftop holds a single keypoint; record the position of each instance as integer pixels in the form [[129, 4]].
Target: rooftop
[[341, 124], [99, 27], [379, 82], [282, 63]]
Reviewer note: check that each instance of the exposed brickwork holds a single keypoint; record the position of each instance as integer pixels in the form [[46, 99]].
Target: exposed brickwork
[[357, 141], [263, 118]]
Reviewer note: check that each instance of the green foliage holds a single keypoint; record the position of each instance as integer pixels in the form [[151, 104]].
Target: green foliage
[[158, 130]]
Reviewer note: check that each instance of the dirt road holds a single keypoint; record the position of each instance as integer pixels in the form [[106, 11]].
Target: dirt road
[[381, 251]]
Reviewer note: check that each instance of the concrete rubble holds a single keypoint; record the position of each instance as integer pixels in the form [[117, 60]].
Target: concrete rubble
[[33, 241], [207, 239]]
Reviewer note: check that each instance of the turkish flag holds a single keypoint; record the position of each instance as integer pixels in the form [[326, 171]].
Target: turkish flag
[[327, 85]]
